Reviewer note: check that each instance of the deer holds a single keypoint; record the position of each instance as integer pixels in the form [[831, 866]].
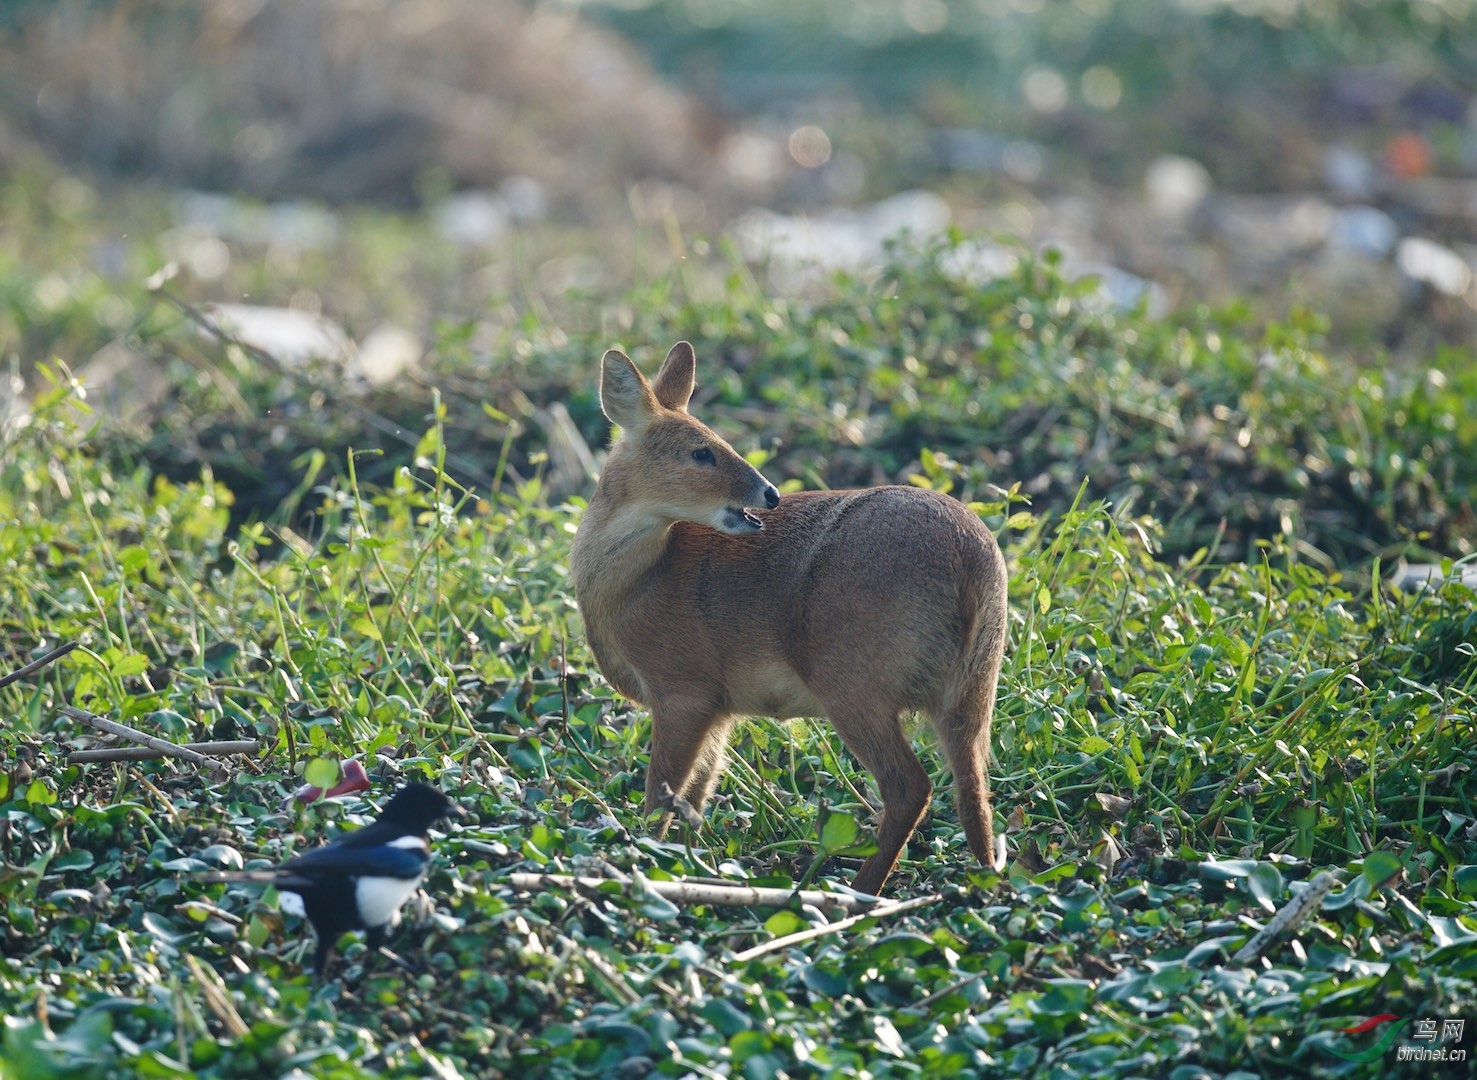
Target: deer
[[706, 596]]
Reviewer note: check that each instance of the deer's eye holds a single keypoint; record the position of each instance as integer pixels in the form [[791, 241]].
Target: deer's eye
[[704, 456]]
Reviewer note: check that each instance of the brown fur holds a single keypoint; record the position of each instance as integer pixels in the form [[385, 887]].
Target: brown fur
[[857, 605]]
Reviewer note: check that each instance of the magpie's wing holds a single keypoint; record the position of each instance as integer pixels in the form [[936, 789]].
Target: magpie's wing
[[400, 860], [382, 860], [373, 835]]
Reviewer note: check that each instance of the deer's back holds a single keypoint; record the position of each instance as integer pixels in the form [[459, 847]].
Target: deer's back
[[881, 587]]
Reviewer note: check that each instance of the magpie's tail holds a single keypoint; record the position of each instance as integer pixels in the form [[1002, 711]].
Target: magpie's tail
[[322, 953], [260, 877]]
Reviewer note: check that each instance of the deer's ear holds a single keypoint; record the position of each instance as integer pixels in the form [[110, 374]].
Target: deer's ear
[[625, 395], [674, 382]]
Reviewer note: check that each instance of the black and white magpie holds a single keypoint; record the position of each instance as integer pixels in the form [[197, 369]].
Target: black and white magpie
[[360, 880]]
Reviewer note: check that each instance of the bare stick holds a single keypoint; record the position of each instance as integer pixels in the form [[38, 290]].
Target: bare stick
[[36, 665], [164, 746], [213, 989], [880, 912], [620, 990], [139, 753], [688, 892], [1293, 914]]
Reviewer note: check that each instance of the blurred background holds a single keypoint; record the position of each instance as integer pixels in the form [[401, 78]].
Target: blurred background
[[1191, 151]]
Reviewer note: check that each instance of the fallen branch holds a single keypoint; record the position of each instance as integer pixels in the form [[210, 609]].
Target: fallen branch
[[139, 753], [1293, 914], [164, 746], [213, 989], [880, 912], [36, 665], [620, 991], [688, 892]]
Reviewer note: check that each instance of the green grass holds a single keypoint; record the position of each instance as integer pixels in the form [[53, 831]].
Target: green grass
[[1184, 735]]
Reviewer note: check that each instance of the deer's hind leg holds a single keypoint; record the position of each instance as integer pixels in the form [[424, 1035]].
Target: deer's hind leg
[[964, 734], [875, 736]]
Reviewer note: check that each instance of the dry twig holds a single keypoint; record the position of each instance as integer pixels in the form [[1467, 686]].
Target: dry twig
[[36, 665], [163, 746], [688, 892], [214, 991], [139, 753], [1293, 914], [882, 911]]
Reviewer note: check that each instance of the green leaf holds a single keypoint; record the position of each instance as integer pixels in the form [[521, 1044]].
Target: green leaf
[[76, 859], [1066, 997], [258, 932], [222, 855], [1228, 869], [726, 1017], [1357, 889], [129, 665], [39, 793], [322, 773], [168, 722], [1093, 745], [657, 908], [898, 946], [60, 896], [838, 833], [220, 655], [888, 1039], [1304, 819], [825, 980], [131, 559], [164, 930], [1266, 885], [1060, 872], [195, 911], [784, 922], [1381, 867]]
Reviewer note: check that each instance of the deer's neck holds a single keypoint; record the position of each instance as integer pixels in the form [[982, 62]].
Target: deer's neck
[[615, 548]]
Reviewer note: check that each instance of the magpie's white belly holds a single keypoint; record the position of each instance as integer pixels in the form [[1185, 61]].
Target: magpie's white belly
[[379, 898]]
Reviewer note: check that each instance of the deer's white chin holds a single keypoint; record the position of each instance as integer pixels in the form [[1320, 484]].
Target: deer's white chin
[[736, 521]]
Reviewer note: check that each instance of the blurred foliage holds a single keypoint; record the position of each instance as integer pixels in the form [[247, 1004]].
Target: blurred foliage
[[1230, 432], [1233, 84], [759, 51]]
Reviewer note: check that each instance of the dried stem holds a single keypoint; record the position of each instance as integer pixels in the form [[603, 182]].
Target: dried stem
[[163, 746], [140, 753], [36, 665], [882, 911], [689, 892]]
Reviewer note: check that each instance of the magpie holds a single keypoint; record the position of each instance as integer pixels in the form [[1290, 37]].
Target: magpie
[[360, 880]]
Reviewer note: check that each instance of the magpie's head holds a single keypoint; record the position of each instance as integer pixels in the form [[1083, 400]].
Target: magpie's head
[[416, 807]]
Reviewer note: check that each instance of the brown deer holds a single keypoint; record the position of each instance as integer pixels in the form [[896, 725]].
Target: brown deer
[[860, 606]]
